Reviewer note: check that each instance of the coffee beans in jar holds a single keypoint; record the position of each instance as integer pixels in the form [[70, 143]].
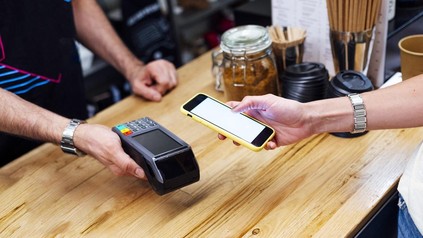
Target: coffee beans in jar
[[248, 65]]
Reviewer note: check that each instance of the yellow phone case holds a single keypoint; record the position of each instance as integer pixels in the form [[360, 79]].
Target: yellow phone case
[[223, 132]]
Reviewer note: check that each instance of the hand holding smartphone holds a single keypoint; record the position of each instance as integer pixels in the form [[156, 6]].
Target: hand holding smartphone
[[218, 116]]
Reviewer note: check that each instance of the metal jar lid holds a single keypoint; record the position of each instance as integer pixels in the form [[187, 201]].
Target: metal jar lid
[[245, 40]]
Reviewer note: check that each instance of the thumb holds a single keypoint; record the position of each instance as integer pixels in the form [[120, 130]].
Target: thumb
[[251, 103]]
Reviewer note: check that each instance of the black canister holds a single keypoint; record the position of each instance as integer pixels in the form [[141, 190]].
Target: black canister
[[348, 82], [305, 82]]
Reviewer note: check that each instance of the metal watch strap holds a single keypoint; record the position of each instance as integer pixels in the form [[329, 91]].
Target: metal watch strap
[[360, 115], [67, 143]]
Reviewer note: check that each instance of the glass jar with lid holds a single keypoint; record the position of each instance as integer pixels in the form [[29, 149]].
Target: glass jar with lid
[[248, 66]]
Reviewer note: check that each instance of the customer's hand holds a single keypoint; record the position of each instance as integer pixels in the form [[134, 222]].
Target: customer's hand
[[287, 117], [153, 80], [104, 145]]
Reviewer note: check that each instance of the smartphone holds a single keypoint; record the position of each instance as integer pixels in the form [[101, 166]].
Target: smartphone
[[218, 116]]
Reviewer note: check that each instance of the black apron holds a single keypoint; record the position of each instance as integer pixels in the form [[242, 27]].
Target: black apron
[[39, 62]]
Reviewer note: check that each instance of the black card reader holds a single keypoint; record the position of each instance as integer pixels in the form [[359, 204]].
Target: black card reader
[[167, 160]]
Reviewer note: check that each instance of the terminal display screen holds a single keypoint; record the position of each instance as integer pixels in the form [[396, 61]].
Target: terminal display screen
[[157, 142]]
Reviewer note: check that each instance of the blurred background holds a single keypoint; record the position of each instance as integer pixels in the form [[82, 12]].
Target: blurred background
[[181, 30]]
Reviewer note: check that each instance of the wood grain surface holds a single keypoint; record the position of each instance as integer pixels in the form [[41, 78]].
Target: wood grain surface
[[323, 186]]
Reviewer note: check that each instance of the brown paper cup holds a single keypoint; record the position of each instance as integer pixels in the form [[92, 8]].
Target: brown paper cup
[[411, 48]]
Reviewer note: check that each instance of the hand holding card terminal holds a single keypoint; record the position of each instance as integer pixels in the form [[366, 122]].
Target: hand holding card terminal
[[167, 160]]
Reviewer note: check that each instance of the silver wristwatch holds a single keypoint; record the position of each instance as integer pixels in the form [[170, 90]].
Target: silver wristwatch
[[360, 115], [66, 143]]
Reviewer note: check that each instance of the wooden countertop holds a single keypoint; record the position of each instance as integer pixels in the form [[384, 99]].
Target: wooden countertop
[[323, 186]]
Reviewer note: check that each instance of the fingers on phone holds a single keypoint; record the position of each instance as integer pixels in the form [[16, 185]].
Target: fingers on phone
[[222, 137]]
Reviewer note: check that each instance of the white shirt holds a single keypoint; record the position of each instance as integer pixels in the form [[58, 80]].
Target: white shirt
[[411, 187]]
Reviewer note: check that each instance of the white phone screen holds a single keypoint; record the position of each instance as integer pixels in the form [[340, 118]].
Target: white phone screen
[[222, 116]]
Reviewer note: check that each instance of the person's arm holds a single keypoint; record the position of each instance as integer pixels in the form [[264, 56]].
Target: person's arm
[[22, 118], [397, 106], [95, 31]]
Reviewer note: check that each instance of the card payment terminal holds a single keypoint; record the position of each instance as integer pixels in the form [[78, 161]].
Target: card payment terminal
[[168, 161]]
